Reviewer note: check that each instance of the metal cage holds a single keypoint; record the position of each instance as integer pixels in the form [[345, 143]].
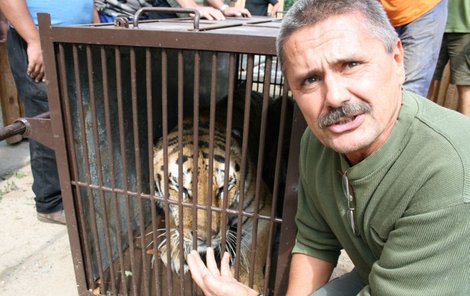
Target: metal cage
[[115, 90]]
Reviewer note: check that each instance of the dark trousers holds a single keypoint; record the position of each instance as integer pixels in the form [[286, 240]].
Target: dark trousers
[[349, 284], [46, 185]]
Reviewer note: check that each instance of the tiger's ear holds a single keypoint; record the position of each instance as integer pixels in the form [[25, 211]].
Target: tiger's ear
[[157, 140], [237, 134]]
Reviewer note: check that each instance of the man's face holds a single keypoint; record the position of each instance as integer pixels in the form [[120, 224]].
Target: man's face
[[337, 63]]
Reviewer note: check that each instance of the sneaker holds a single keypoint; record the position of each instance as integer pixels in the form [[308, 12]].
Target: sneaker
[[55, 217]]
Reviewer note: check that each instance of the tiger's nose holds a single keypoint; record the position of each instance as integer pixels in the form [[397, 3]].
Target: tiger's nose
[[202, 236]]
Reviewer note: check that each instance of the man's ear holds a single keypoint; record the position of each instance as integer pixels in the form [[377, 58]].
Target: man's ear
[[399, 59]]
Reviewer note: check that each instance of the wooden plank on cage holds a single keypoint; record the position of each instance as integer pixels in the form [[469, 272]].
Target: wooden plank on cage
[[11, 106]]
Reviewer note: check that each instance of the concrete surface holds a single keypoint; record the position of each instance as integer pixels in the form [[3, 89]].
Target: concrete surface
[[13, 157], [35, 257]]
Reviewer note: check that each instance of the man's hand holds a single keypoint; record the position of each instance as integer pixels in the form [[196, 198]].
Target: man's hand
[[210, 13], [214, 282], [235, 11], [35, 62]]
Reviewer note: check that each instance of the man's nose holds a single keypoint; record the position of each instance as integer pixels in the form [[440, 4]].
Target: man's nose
[[336, 91]]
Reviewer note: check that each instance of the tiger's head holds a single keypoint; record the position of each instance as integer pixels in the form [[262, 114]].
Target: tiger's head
[[195, 178]]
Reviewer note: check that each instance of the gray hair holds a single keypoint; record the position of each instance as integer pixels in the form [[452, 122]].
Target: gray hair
[[309, 12]]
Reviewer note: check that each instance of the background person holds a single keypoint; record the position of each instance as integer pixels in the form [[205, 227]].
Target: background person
[[383, 171], [108, 10], [260, 7], [26, 62], [456, 50], [420, 25]]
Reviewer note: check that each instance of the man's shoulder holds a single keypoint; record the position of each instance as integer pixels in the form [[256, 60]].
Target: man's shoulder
[[440, 137], [444, 123]]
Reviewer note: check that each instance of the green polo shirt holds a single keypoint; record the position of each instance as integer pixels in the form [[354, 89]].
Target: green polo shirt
[[412, 201]]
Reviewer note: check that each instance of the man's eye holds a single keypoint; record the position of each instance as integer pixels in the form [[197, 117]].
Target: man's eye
[[352, 64], [310, 80]]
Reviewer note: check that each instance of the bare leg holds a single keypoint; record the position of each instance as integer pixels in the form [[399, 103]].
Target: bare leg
[[464, 99]]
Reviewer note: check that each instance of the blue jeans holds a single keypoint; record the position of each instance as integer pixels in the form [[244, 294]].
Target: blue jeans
[[422, 41], [349, 284], [46, 184]]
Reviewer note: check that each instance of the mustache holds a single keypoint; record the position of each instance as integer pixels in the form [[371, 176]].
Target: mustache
[[345, 110]]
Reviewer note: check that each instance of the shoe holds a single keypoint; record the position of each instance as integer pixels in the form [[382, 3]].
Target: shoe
[[55, 217]]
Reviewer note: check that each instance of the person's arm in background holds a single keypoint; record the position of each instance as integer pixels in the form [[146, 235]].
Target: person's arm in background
[[229, 10], [96, 16], [206, 12], [275, 9], [307, 274], [18, 15]]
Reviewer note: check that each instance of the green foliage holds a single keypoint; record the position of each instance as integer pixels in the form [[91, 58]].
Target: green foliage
[[288, 4], [7, 187]]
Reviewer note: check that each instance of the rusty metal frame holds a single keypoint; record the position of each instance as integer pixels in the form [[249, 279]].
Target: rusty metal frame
[[237, 36]]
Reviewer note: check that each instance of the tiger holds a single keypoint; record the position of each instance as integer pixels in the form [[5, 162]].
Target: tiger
[[171, 241]]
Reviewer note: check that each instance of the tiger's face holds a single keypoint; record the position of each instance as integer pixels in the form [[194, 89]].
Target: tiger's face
[[197, 180]]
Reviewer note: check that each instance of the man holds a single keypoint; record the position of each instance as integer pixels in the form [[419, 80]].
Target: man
[[455, 49], [420, 25], [26, 62], [384, 173]]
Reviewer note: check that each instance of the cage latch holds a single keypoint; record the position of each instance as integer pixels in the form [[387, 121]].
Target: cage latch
[[192, 12], [37, 128]]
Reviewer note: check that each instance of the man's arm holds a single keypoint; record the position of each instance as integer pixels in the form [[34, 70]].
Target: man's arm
[[307, 274], [18, 15], [205, 12], [96, 16]]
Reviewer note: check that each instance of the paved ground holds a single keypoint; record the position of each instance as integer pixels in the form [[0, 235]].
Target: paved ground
[[35, 257], [12, 157]]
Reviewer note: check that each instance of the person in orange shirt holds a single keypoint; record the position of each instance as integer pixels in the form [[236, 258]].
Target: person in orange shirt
[[420, 25]]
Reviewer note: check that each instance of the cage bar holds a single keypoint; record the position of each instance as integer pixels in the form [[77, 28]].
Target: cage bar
[[116, 95]]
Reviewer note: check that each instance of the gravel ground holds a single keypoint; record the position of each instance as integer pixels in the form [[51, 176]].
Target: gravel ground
[[35, 256]]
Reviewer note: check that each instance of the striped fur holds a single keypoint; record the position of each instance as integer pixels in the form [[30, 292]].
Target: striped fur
[[210, 193]]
